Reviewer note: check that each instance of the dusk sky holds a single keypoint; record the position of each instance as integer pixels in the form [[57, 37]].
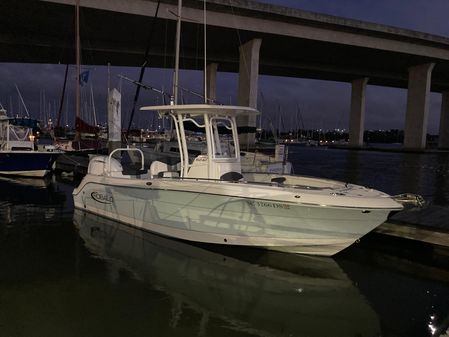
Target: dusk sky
[[322, 104]]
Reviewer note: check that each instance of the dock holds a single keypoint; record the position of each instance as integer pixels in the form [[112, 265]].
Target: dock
[[429, 224]]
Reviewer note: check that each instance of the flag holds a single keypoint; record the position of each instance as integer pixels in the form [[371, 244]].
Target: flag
[[84, 77]]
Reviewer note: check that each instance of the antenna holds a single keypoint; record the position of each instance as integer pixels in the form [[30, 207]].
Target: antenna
[[178, 41], [109, 77], [23, 102], [205, 52], [78, 61]]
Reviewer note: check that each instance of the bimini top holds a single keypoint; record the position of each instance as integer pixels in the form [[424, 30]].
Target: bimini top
[[201, 109]]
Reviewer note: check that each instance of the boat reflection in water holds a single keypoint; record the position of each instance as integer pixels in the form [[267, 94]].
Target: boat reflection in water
[[301, 296], [30, 198]]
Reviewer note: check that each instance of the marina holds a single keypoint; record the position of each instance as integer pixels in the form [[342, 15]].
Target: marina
[[184, 224], [71, 272]]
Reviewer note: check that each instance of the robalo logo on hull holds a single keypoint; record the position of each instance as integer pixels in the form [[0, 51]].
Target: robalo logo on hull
[[103, 198]]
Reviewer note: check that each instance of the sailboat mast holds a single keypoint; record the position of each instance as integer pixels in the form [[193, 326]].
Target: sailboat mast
[[93, 104], [178, 41], [61, 102], [77, 39]]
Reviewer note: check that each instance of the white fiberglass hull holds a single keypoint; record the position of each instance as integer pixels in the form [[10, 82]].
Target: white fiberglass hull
[[36, 173], [234, 213]]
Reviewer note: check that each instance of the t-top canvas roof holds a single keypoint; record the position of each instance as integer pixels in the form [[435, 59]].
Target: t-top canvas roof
[[201, 109]]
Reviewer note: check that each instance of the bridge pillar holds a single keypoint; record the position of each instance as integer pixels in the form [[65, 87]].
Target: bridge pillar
[[247, 96], [211, 82], [417, 106], [443, 138], [357, 114]]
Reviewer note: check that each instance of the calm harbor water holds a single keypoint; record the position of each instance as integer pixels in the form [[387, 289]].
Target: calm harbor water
[[69, 273]]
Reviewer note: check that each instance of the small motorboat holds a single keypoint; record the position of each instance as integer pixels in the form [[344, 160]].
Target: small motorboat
[[209, 199], [19, 153]]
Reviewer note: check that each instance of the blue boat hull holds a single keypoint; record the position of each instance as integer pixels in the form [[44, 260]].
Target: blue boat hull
[[27, 163]]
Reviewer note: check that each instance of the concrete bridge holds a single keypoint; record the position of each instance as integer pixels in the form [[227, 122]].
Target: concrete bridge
[[245, 37]]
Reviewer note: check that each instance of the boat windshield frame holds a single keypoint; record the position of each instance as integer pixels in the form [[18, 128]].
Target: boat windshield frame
[[223, 146]]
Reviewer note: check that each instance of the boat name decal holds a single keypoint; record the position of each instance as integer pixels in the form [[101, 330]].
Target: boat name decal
[[103, 198], [268, 204]]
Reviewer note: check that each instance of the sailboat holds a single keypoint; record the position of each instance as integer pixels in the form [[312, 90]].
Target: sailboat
[[210, 200], [86, 136]]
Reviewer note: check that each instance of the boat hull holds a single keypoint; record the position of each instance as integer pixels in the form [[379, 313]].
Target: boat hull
[[227, 214], [27, 163]]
